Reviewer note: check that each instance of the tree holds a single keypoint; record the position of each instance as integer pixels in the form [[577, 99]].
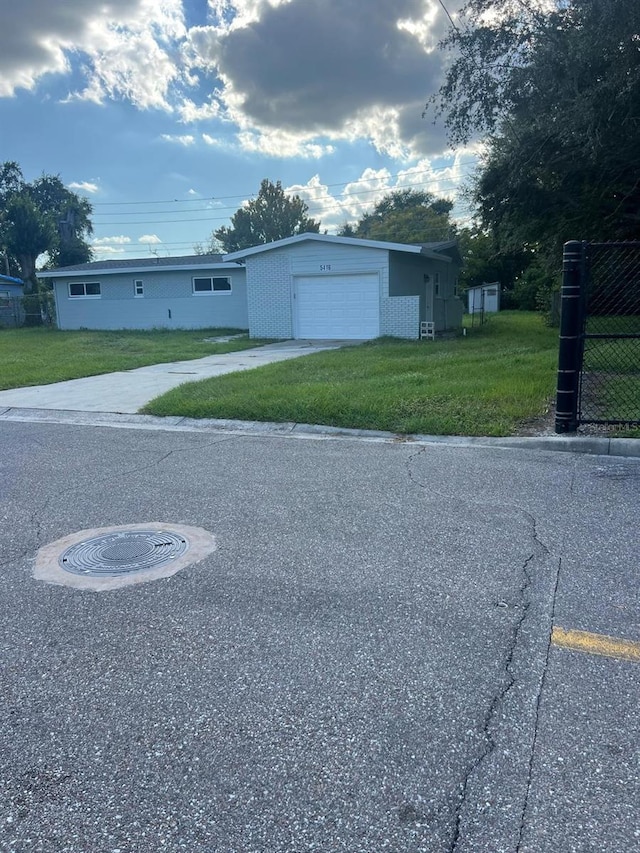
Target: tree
[[555, 90], [27, 234], [272, 215], [41, 217], [405, 216], [72, 216], [11, 182]]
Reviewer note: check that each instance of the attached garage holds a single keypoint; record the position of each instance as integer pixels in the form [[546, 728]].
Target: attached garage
[[318, 286], [340, 306]]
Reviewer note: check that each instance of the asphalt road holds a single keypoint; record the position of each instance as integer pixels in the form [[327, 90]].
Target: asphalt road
[[363, 664]]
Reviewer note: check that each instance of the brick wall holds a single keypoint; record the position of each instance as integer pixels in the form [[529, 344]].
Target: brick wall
[[400, 316], [269, 296]]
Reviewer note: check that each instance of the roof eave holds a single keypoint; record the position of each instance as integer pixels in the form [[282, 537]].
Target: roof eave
[[409, 248], [62, 273]]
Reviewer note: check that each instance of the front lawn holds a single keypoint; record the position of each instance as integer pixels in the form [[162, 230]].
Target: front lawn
[[486, 383], [39, 356]]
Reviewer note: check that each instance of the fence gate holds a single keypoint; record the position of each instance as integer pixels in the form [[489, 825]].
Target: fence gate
[[599, 361]]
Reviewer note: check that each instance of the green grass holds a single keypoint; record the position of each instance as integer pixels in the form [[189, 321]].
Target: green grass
[[486, 383], [38, 356]]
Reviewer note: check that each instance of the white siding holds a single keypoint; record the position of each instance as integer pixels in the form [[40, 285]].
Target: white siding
[[270, 280]]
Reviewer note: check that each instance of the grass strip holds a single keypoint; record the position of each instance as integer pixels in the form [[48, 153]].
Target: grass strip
[[39, 356], [486, 383]]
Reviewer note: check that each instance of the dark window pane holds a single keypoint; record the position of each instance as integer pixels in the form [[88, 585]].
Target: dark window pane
[[76, 290], [221, 284], [93, 289], [202, 285]]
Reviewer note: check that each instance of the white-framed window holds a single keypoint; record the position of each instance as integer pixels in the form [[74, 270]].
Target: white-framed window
[[138, 288], [211, 284], [84, 290]]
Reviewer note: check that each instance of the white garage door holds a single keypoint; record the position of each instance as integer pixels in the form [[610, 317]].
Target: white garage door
[[341, 306]]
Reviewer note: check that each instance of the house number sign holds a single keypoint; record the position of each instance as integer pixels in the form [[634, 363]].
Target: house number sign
[[325, 267]]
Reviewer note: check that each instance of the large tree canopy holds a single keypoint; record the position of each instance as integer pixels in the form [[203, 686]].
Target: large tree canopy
[[40, 217], [405, 216], [272, 215], [554, 88]]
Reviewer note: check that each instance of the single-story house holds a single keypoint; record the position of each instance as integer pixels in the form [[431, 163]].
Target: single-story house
[[11, 309], [320, 286], [484, 298], [307, 286], [192, 292]]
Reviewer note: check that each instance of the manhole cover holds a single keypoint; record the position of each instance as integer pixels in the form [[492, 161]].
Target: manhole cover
[[123, 553]]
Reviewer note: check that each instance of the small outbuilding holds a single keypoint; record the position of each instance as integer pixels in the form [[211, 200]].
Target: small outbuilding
[[484, 298], [319, 286], [190, 292]]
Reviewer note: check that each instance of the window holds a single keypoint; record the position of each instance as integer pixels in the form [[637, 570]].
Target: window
[[211, 285], [138, 288], [80, 290]]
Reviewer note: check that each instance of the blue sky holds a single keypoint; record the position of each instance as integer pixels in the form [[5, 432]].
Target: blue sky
[[167, 114]]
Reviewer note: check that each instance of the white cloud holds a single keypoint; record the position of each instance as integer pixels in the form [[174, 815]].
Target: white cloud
[[280, 73], [104, 252], [275, 143], [118, 240], [152, 239], [185, 140], [84, 186], [190, 112], [136, 58], [358, 197]]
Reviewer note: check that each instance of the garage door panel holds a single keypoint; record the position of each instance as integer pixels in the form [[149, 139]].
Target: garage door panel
[[345, 306]]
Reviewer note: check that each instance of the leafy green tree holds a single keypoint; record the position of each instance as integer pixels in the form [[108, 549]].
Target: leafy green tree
[[72, 217], [485, 261], [555, 90], [27, 233], [11, 182], [272, 215], [405, 216], [41, 217]]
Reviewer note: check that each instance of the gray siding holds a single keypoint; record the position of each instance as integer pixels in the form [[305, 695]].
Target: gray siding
[[168, 302], [407, 277]]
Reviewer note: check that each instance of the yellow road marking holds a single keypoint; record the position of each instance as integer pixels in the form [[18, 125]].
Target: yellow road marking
[[596, 644]]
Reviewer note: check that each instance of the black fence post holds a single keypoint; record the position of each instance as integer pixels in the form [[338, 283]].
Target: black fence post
[[570, 331]]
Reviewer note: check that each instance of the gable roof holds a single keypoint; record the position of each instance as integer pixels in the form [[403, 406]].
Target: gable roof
[[137, 265], [430, 250]]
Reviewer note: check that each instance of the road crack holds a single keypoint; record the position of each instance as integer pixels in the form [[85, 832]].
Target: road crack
[[491, 727]]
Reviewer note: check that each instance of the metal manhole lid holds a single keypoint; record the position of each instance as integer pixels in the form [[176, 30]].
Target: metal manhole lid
[[122, 553]]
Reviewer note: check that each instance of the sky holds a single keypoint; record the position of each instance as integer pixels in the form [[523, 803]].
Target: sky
[[167, 114]]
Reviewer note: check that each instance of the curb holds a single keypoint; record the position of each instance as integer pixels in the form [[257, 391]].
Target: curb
[[593, 445]]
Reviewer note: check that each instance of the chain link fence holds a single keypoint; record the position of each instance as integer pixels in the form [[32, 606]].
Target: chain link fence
[[599, 365]]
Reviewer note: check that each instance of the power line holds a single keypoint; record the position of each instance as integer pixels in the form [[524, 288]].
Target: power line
[[251, 194], [336, 205]]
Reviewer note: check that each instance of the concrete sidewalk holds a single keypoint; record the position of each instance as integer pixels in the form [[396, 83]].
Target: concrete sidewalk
[[128, 391]]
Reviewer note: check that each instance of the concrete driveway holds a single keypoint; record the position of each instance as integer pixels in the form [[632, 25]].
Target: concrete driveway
[[128, 391], [370, 660]]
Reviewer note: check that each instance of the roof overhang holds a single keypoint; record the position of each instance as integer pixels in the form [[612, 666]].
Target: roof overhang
[[9, 279], [414, 249], [102, 271]]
